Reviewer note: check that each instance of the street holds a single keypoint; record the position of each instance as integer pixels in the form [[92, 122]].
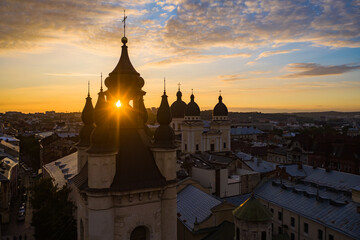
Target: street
[[20, 230]]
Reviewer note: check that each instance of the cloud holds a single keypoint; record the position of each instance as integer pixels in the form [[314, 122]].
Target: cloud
[[194, 26], [314, 69], [270, 53], [169, 8], [254, 24], [71, 74], [243, 76], [233, 77], [192, 58], [32, 24]]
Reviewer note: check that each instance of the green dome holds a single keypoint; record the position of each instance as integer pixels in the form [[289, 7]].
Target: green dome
[[252, 210]]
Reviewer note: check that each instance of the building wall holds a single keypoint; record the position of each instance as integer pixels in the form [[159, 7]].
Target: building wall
[[176, 125], [276, 158], [206, 177], [298, 230]]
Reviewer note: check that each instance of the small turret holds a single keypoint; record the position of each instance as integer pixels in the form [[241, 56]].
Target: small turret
[[87, 117], [164, 134]]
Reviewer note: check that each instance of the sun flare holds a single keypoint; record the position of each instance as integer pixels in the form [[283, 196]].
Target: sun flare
[[118, 104]]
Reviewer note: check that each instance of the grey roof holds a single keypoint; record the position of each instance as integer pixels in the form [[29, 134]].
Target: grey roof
[[319, 176], [333, 179], [193, 203], [238, 200], [335, 210], [63, 169], [256, 164], [245, 131], [293, 170], [214, 158]]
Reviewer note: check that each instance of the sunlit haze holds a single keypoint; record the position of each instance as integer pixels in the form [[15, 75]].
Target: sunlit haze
[[269, 56]]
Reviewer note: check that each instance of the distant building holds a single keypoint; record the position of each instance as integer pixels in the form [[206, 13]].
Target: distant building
[[197, 135], [9, 149], [248, 133], [311, 203], [8, 186]]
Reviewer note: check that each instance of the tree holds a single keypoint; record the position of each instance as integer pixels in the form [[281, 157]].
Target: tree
[[52, 211]]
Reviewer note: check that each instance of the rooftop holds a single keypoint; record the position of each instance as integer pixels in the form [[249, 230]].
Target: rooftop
[[63, 169], [256, 164], [245, 131], [333, 209], [193, 203]]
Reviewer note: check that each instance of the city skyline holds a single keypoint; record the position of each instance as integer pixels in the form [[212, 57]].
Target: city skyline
[[278, 56]]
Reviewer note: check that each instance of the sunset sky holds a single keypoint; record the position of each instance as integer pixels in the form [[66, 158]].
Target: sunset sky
[[264, 55]]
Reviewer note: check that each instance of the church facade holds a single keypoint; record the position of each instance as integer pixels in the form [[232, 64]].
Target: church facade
[[195, 137], [125, 187]]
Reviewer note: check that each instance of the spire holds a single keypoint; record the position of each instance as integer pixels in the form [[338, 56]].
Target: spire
[[164, 134], [192, 97], [101, 88], [88, 88], [87, 113], [164, 113], [164, 86], [87, 117], [124, 21], [178, 94]]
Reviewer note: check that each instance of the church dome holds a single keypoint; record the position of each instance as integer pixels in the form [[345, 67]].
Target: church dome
[[178, 107], [253, 211], [192, 109], [220, 108]]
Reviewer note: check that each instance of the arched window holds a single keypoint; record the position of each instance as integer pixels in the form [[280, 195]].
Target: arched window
[[140, 233]]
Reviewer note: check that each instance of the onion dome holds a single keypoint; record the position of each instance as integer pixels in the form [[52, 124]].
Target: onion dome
[[164, 134], [178, 107], [124, 76], [192, 109], [102, 139], [87, 116], [253, 211], [220, 108]]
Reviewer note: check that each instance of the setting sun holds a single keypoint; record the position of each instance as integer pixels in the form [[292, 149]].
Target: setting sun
[[118, 104]]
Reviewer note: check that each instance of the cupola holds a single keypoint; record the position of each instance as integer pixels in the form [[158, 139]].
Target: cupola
[[220, 111], [192, 110], [178, 107]]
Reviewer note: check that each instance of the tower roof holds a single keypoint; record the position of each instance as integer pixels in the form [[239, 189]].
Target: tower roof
[[124, 78], [164, 134], [253, 211], [87, 116], [121, 130], [220, 108], [192, 109], [178, 107]]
